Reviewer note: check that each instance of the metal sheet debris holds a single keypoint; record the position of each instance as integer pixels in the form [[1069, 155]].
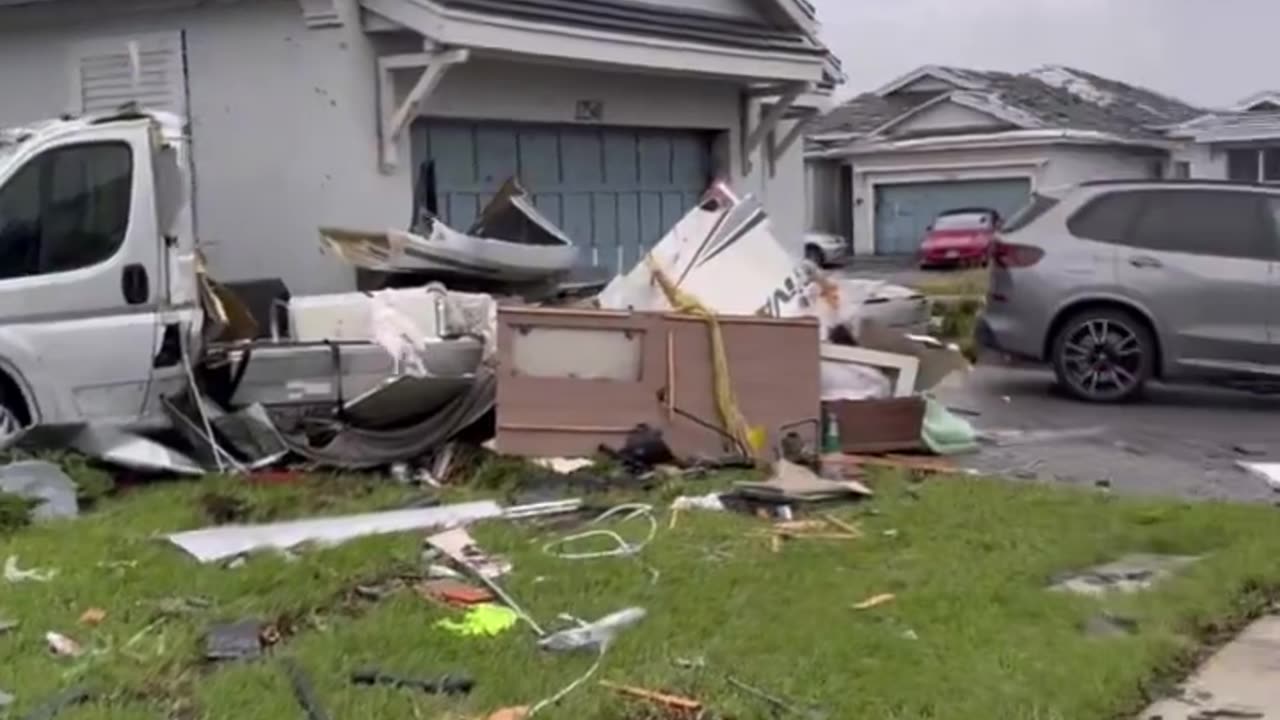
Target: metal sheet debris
[[214, 544], [42, 481], [460, 547], [1130, 574], [1267, 472], [110, 445], [241, 640]]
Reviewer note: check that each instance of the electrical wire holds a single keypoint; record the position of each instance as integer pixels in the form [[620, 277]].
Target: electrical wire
[[622, 548], [564, 692]]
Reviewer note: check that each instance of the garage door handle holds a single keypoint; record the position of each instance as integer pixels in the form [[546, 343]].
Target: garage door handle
[[1145, 261]]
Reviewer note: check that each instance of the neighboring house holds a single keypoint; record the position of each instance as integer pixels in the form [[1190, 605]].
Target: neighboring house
[[882, 166], [1240, 144], [614, 114]]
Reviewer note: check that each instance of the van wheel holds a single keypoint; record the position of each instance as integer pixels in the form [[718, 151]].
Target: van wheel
[[12, 414], [1104, 355]]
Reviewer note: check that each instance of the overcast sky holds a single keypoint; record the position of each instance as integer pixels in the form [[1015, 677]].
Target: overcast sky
[[1212, 52]]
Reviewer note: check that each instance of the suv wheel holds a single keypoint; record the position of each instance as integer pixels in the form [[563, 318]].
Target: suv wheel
[[813, 254], [1104, 355], [11, 421]]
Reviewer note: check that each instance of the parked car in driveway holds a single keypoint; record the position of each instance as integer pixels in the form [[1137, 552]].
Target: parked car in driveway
[[1116, 283], [958, 238], [827, 249]]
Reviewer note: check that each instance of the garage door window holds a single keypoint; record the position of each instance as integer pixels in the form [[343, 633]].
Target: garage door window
[[67, 209]]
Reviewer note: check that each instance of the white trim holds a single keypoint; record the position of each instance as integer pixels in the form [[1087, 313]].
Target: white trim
[[934, 71], [754, 132], [504, 35], [394, 117], [1015, 138], [905, 367]]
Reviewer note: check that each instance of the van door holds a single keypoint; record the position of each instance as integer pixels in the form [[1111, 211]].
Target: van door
[[79, 264], [1200, 260]]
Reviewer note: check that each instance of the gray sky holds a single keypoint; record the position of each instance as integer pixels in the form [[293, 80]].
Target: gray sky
[[1212, 52]]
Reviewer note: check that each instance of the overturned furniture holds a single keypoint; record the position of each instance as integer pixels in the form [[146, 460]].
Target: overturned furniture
[[570, 381]]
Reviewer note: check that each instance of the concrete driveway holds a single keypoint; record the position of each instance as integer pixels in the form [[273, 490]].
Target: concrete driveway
[[1178, 441]]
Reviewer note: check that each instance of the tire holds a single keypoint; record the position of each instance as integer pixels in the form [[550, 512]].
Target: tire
[[1104, 355], [813, 254], [13, 416]]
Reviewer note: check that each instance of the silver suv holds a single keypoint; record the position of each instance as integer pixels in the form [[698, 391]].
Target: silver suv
[[1115, 283]]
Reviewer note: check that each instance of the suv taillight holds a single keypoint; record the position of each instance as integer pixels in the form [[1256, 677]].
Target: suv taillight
[[1013, 255]]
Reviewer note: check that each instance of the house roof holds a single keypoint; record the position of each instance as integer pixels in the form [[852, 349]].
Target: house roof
[[1239, 126], [1054, 97], [673, 22]]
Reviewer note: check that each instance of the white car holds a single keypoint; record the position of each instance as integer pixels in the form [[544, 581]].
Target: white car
[[827, 249]]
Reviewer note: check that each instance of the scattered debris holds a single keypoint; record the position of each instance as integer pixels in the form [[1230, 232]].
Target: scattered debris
[[878, 426], [241, 640], [93, 616], [621, 547], [43, 482], [213, 544], [7, 625], [444, 685], [454, 592], [112, 446], [792, 483], [711, 501], [459, 546], [15, 574], [63, 646], [304, 690], [875, 602], [511, 713], [899, 462], [1250, 450], [593, 636], [1267, 472], [564, 466], [1014, 438], [1129, 574], [62, 701], [679, 705], [482, 621], [778, 704], [1108, 625], [946, 433]]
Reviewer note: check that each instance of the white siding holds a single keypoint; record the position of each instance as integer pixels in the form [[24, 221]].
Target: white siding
[[1206, 163], [146, 68], [733, 8]]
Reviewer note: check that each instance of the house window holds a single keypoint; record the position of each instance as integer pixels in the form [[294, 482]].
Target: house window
[[67, 209], [1254, 165]]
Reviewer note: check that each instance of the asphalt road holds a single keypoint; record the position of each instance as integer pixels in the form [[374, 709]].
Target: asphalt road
[[1178, 441]]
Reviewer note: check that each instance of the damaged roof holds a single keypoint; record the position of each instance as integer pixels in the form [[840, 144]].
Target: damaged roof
[[1053, 97], [674, 22]]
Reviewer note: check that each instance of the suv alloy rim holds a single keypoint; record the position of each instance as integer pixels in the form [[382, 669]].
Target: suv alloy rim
[[1103, 357]]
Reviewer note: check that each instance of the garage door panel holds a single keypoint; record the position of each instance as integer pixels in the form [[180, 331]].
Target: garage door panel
[[615, 191], [904, 212], [496, 153], [539, 157]]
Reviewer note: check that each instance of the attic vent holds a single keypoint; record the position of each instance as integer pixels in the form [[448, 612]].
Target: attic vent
[[321, 13], [149, 69]]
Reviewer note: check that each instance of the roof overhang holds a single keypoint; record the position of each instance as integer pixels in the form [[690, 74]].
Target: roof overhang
[[977, 102], [1266, 96], [1012, 138], [500, 35]]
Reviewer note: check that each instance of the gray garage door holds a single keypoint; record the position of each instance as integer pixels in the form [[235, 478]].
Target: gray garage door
[[614, 191], [904, 212]]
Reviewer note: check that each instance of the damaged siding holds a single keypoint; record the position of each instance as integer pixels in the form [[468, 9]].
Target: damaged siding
[[147, 68]]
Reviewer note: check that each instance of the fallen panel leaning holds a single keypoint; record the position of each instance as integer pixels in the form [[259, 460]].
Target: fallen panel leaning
[[111, 445], [228, 541], [572, 380]]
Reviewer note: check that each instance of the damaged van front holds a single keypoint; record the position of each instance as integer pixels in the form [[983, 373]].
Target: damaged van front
[[98, 289]]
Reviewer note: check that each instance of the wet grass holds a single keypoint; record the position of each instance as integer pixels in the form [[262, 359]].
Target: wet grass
[[971, 635], [952, 283]]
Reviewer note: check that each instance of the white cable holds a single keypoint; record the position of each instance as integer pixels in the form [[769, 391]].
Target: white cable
[[622, 549], [548, 702]]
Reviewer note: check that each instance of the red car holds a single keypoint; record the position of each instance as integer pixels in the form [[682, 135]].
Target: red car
[[960, 237]]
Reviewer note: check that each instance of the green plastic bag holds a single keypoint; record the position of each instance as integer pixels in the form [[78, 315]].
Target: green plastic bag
[[482, 621], [946, 433]]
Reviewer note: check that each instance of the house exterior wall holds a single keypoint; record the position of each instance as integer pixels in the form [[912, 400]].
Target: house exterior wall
[[1206, 162], [284, 122], [1044, 166]]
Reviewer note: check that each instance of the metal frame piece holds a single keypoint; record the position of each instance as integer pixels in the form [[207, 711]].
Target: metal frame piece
[[393, 117]]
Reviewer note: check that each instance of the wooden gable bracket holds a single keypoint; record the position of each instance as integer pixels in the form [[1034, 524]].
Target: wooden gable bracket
[[757, 126], [779, 147], [394, 118]]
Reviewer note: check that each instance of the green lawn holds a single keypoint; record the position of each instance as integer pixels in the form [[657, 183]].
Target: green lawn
[[972, 634], [967, 283]]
